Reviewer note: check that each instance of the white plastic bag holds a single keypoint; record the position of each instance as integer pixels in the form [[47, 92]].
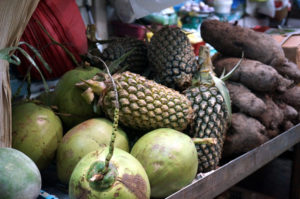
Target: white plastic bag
[[129, 10], [266, 8]]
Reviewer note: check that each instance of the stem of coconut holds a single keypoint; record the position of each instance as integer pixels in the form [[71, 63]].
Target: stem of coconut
[[115, 128]]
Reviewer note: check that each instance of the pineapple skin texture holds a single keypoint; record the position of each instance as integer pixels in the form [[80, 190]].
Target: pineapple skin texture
[[136, 62], [172, 56], [147, 105], [211, 120]]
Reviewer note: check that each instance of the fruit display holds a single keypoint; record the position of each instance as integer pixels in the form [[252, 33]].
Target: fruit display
[[162, 115], [169, 158], [85, 137], [37, 132], [20, 178], [263, 89]]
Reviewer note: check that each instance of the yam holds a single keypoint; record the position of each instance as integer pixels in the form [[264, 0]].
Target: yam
[[273, 116], [290, 113], [253, 74], [287, 125], [271, 133], [232, 40], [245, 100], [291, 96], [245, 134]]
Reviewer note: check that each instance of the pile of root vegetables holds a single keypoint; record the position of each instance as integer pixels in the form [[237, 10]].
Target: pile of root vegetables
[[263, 90]]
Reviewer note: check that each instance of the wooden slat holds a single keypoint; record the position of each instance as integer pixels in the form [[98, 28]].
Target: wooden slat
[[295, 181], [239, 168]]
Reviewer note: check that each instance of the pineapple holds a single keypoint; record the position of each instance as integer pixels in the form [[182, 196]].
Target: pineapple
[[211, 104], [144, 104], [136, 61], [172, 57]]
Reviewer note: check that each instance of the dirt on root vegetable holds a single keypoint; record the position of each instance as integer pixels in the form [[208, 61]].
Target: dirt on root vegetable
[[253, 74], [232, 40]]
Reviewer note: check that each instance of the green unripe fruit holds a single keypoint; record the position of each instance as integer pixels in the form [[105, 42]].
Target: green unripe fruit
[[36, 131], [169, 158], [68, 97], [85, 137], [127, 178], [19, 176]]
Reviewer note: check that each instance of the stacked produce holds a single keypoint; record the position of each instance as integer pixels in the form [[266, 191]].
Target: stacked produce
[[263, 89], [138, 103], [178, 120]]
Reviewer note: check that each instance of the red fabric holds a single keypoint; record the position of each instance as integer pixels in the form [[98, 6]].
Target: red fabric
[[63, 21]]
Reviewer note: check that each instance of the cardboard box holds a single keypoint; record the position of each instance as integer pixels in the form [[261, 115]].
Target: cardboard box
[[291, 47]]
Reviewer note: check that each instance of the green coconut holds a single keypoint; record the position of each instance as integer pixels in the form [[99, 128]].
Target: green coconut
[[46, 98], [126, 178], [36, 131], [67, 97], [169, 158], [85, 137], [19, 176]]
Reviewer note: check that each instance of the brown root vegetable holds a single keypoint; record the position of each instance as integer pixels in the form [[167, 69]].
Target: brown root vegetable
[[232, 40], [287, 125], [273, 116], [290, 113], [292, 96], [245, 100], [271, 133], [253, 74], [245, 134]]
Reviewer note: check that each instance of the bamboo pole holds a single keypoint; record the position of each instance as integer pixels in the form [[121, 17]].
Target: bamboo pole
[[14, 16]]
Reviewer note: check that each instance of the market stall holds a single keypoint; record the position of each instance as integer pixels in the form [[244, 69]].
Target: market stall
[[138, 99]]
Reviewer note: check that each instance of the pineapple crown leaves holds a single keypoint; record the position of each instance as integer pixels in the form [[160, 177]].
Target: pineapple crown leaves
[[99, 87], [220, 84], [224, 77], [7, 54], [207, 77]]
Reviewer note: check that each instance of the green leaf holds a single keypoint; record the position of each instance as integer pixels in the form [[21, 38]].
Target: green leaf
[[36, 52], [225, 93], [36, 67], [223, 74], [5, 55], [14, 60], [228, 75], [115, 64]]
